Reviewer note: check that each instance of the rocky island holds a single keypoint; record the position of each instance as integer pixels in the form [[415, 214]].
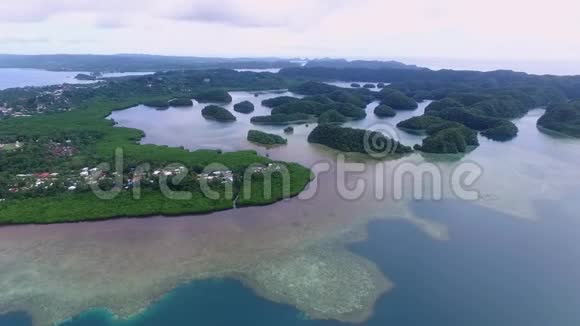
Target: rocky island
[[266, 139], [217, 113], [244, 107], [356, 140]]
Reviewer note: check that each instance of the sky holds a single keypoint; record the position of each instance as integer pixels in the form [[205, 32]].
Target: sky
[[511, 30]]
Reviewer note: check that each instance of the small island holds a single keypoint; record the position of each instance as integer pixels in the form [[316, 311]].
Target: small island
[[369, 86], [450, 138], [397, 100], [289, 130], [355, 85], [244, 107], [265, 139], [181, 102], [218, 113], [381, 85], [282, 119], [356, 140], [385, 111], [88, 77]]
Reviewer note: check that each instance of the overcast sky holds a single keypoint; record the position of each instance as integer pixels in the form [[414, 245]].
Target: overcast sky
[[491, 29]]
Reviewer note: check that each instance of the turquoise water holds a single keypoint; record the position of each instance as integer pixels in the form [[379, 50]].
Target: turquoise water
[[495, 270]]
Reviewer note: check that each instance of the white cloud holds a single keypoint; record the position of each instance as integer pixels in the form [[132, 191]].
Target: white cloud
[[515, 29]]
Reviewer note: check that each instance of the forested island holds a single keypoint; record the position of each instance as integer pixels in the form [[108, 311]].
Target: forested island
[[218, 113], [244, 107], [385, 111], [448, 138], [266, 139], [356, 140], [562, 118], [52, 160]]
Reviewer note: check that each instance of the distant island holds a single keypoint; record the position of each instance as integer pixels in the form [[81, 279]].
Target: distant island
[[244, 107], [218, 113], [266, 139], [88, 77], [356, 140]]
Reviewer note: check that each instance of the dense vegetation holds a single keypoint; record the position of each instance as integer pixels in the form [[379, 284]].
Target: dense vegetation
[[262, 138], [421, 123], [385, 111], [369, 86], [493, 128], [322, 98], [314, 88], [355, 85], [217, 113], [452, 140], [159, 104], [289, 130], [356, 140], [397, 100], [277, 101], [282, 119], [562, 118], [331, 117], [213, 96], [244, 107], [181, 102]]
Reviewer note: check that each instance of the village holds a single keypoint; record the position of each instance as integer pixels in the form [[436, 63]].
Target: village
[[88, 178]]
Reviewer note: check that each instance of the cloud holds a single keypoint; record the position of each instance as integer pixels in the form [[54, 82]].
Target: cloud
[[241, 13]]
